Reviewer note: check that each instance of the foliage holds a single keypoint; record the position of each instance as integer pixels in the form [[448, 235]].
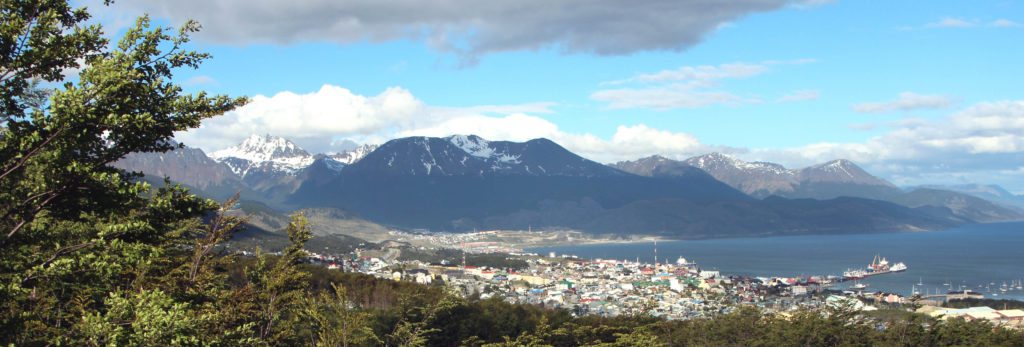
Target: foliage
[[279, 289], [337, 321], [999, 304], [453, 256]]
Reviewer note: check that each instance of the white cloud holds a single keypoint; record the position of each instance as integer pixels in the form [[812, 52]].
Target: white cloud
[[627, 143], [907, 101], [703, 73], [983, 140], [330, 118], [686, 86], [863, 126], [960, 23], [469, 28], [311, 119], [1004, 23], [668, 97], [951, 22], [806, 4], [199, 80], [801, 95]]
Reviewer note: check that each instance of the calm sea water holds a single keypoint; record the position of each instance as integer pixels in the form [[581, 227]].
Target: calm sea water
[[979, 257]]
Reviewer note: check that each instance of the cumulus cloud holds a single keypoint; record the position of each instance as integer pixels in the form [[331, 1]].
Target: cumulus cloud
[[468, 27], [334, 118], [627, 143], [985, 140], [686, 86], [907, 101], [980, 140], [311, 119]]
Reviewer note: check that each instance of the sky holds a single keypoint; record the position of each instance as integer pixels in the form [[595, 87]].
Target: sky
[[917, 92]]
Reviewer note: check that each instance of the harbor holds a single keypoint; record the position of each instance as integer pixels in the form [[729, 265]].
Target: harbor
[[979, 258]]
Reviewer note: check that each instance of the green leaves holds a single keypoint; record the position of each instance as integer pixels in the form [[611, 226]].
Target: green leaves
[[146, 318], [39, 40], [72, 228]]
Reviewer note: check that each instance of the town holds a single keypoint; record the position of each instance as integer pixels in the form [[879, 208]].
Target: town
[[677, 289]]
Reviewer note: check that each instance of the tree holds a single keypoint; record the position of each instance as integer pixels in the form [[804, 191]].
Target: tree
[[337, 321], [73, 229], [280, 289], [39, 40]]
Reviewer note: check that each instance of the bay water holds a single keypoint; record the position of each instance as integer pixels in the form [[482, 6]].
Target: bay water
[[980, 257]]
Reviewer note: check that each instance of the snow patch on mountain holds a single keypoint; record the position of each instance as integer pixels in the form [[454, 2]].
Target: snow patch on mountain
[[473, 145], [480, 148], [840, 166], [713, 161], [354, 155]]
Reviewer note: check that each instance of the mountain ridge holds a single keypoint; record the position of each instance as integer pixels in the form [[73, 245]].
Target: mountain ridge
[[829, 180], [464, 182]]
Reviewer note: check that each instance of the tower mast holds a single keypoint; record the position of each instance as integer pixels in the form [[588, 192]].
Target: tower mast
[[655, 253]]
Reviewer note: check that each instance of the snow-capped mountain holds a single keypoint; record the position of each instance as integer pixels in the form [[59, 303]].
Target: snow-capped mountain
[[264, 153], [834, 179], [760, 179], [472, 155], [466, 182], [354, 155], [657, 166], [755, 178], [763, 178], [840, 171]]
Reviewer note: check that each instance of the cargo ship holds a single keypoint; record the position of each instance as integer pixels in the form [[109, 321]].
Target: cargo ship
[[878, 266]]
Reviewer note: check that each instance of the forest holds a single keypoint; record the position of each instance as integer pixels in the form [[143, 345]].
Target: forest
[[91, 255]]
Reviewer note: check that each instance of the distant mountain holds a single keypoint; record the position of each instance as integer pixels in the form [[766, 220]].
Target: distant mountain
[[188, 166], [757, 179], [960, 204], [471, 155], [264, 153], [834, 179], [354, 155], [840, 171], [762, 179], [462, 183], [989, 192], [277, 166], [823, 181]]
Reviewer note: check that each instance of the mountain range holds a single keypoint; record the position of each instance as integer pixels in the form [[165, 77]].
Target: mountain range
[[988, 192], [464, 182], [834, 179]]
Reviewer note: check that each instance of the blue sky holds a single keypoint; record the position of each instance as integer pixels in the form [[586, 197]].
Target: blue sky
[[915, 91]]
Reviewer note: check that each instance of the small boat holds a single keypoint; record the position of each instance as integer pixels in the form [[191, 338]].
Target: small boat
[[859, 285], [920, 282]]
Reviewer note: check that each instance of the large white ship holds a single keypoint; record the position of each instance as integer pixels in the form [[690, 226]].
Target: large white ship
[[878, 266]]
